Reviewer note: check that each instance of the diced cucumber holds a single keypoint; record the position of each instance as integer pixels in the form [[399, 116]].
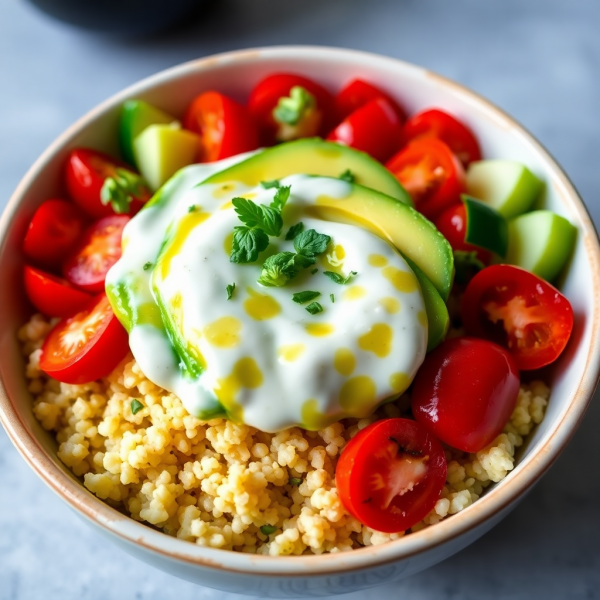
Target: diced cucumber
[[162, 150], [506, 185], [486, 227], [136, 115], [541, 242]]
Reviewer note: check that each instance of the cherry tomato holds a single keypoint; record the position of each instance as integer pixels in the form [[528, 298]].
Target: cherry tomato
[[53, 296], [225, 127], [98, 250], [265, 97], [53, 232], [465, 392], [431, 174], [358, 93], [373, 128], [520, 311], [438, 124], [452, 224], [391, 474], [86, 346], [85, 174]]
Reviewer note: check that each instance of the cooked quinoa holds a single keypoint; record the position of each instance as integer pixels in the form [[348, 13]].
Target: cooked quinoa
[[216, 483]]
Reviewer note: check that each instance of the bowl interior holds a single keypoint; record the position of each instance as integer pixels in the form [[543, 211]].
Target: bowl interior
[[572, 379]]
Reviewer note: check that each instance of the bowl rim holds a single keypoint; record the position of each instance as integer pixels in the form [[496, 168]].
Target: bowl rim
[[527, 472]]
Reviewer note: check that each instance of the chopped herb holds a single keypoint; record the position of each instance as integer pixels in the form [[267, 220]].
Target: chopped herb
[[258, 216], [270, 184], [136, 406], [121, 189], [268, 529], [348, 176], [147, 266], [315, 270], [304, 297], [290, 109], [294, 230], [467, 265], [337, 278], [278, 269], [248, 244], [281, 197], [192, 208], [332, 298], [311, 243], [314, 308], [295, 481], [230, 289]]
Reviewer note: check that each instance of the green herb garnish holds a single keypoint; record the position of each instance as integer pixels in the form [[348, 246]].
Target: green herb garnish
[[258, 216], [313, 271], [295, 481], [230, 289], [270, 184], [290, 109], [332, 298], [192, 208], [304, 297], [281, 197], [278, 269], [337, 278], [348, 176], [314, 308], [268, 529], [247, 244], [147, 266], [311, 243], [294, 230], [136, 406], [121, 189]]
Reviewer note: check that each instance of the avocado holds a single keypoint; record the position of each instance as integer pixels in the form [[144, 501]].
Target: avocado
[[136, 115], [314, 156]]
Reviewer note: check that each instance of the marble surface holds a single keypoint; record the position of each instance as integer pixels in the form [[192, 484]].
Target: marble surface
[[539, 60]]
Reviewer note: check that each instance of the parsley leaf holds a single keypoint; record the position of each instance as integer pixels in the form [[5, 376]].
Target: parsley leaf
[[311, 243], [348, 176], [230, 289], [121, 189], [256, 215], [314, 271], [304, 297], [278, 269], [247, 244], [337, 278], [147, 266], [294, 230], [268, 529], [267, 185], [192, 208], [332, 298], [290, 109], [301, 261], [281, 197], [295, 481], [136, 406], [314, 308]]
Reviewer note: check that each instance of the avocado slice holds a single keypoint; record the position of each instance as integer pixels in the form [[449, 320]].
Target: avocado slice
[[137, 115], [314, 156]]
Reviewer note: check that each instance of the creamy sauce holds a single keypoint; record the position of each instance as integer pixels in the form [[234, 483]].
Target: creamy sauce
[[259, 356]]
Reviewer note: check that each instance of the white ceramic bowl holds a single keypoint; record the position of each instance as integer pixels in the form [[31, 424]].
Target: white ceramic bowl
[[573, 378]]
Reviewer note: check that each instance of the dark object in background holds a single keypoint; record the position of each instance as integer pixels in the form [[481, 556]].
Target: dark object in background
[[120, 16]]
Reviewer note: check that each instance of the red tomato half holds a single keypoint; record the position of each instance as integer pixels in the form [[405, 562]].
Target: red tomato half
[[53, 296], [391, 474], [431, 174], [265, 97], [438, 124], [465, 392], [53, 232], [358, 93], [373, 128], [98, 250], [85, 173], [520, 311], [225, 127], [86, 346], [452, 224]]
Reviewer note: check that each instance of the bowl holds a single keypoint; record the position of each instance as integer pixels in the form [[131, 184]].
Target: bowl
[[573, 378]]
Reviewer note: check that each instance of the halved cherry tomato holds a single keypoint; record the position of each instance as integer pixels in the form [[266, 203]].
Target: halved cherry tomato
[[86, 346], [98, 250], [465, 392], [391, 474], [53, 232], [225, 127], [53, 296], [438, 124], [357, 93], [86, 172], [452, 224], [520, 311], [265, 97], [373, 128], [431, 174]]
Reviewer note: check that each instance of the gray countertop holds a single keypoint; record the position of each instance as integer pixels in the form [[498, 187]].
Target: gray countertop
[[539, 60]]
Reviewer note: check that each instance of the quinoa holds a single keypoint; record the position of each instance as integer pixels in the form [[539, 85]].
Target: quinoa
[[216, 483]]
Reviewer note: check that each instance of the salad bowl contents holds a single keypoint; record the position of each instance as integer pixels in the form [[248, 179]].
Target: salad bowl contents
[[304, 318]]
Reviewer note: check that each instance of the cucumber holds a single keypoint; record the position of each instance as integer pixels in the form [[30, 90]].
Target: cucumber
[[486, 227]]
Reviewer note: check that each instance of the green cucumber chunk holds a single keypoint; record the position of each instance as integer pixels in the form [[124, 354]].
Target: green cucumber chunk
[[541, 242], [506, 185], [314, 156], [136, 115], [486, 227]]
